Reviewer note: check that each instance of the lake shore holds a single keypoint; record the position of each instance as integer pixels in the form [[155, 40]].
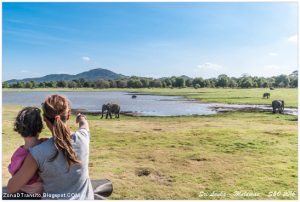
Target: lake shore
[[218, 108], [185, 156], [251, 96]]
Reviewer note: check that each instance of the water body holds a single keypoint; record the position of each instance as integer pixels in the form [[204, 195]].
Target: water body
[[143, 105]]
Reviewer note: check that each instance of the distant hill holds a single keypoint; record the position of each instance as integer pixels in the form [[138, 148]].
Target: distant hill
[[185, 77], [91, 75]]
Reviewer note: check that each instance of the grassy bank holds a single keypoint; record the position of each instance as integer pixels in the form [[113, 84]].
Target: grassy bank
[[230, 96], [186, 156]]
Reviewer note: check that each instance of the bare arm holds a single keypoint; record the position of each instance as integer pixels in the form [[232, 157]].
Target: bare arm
[[82, 121], [25, 173]]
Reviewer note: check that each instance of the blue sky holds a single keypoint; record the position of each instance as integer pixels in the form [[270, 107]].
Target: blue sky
[[150, 39]]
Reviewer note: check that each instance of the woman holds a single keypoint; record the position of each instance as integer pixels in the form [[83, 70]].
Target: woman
[[62, 161]]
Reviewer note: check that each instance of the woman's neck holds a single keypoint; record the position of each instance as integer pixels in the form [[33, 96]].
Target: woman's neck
[[30, 142]]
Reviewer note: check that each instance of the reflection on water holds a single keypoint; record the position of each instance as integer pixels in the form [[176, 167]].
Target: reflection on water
[[146, 105]]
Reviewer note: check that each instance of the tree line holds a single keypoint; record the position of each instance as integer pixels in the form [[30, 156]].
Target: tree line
[[223, 81]]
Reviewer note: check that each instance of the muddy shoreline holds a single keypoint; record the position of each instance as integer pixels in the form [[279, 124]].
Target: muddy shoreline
[[99, 113], [218, 108]]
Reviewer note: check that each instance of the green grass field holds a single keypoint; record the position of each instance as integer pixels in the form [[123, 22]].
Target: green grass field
[[186, 156], [220, 95]]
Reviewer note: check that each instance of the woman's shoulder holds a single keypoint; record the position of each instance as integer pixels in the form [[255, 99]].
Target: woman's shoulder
[[42, 151], [43, 146], [48, 141]]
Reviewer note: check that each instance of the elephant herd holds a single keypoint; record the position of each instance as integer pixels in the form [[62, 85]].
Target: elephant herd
[[277, 105], [110, 108]]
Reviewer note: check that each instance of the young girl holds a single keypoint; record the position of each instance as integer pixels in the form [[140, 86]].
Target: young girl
[[29, 125]]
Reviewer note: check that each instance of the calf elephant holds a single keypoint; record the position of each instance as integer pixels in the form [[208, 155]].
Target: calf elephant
[[278, 104], [111, 108], [266, 95]]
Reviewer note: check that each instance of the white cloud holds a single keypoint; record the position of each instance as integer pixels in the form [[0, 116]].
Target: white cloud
[[209, 65], [274, 70], [85, 58], [293, 39], [24, 71], [273, 54]]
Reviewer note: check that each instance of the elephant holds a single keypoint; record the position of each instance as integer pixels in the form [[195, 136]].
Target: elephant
[[111, 108], [278, 104], [267, 95], [133, 96], [271, 88]]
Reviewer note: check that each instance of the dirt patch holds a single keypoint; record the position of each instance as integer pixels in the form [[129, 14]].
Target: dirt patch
[[163, 179], [142, 171], [199, 159], [278, 133], [223, 108], [232, 109]]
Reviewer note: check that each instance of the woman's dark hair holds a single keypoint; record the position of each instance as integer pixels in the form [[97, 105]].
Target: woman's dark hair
[[57, 110], [28, 122]]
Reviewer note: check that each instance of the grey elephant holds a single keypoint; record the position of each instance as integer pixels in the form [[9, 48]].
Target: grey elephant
[[111, 108], [266, 95], [278, 104]]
